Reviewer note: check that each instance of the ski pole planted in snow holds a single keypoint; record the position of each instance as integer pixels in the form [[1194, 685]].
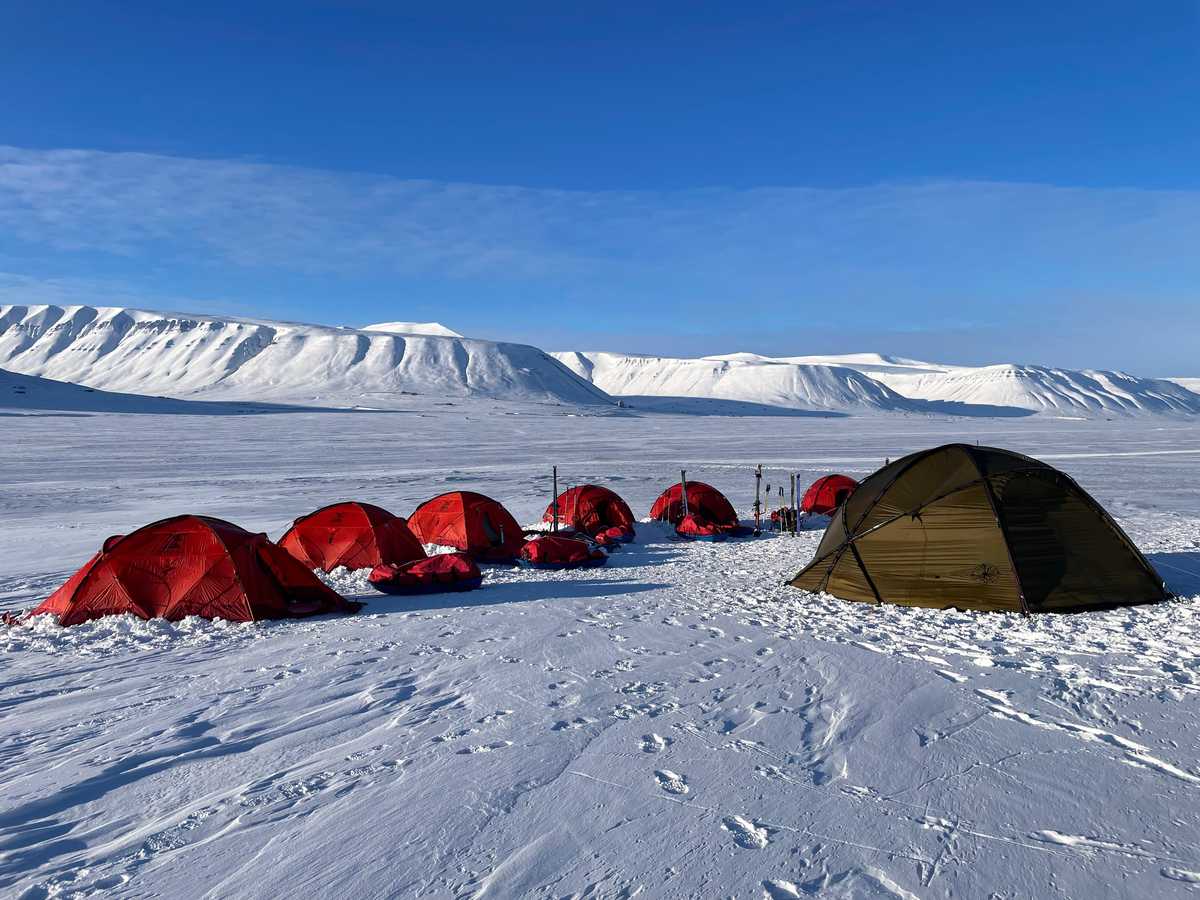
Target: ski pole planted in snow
[[554, 521], [683, 489]]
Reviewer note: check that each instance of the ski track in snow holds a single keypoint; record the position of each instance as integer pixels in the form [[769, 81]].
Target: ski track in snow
[[678, 723]]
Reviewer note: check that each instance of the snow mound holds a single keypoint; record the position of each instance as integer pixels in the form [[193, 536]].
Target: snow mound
[[218, 357], [434, 328], [742, 377], [29, 393], [1046, 390]]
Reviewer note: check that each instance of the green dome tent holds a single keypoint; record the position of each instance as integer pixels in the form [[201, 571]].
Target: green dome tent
[[978, 528]]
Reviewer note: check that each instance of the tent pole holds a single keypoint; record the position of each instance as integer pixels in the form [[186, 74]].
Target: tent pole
[[792, 502], [758, 499]]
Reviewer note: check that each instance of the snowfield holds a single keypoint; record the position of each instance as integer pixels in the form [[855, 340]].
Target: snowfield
[[677, 724]]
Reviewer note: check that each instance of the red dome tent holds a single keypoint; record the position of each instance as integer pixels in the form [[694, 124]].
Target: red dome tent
[[471, 522], [594, 510], [704, 502], [354, 535], [192, 566], [826, 494]]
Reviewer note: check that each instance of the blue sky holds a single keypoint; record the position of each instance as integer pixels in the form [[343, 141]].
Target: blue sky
[[966, 182]]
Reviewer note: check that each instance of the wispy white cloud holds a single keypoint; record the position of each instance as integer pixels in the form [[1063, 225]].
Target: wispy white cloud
[[925, 254]]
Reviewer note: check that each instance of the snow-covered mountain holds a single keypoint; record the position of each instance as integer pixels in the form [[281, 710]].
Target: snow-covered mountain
[[221, 357], [874, 381], [436, 328], [741, 377], [1042, 389]]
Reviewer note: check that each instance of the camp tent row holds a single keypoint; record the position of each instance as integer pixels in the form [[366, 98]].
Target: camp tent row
[[955, 526], [202, 566]]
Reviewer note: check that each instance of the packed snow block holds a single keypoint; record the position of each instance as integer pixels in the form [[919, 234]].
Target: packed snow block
[[446, 572], [469, 522], [978, 528], [695, 527], [556, 552], [351, 534], [703, 500], [192, 566], [595, 511], [826, 494]]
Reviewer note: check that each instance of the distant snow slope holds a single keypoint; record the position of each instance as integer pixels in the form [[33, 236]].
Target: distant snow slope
[[1192, 384], [436, 328], [1061, 391], [21, 394], [220, 357], [873, 380], [743, 377]]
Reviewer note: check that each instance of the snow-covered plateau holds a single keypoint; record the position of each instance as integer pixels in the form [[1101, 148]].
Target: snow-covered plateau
[[678, 723], [859, 382], [401, 365], [225, 358]]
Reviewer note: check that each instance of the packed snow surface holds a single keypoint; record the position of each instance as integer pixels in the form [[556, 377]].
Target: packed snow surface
[[214, 357], [678, 723]]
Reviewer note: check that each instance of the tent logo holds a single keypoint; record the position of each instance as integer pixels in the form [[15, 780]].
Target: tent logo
[[985, 573]]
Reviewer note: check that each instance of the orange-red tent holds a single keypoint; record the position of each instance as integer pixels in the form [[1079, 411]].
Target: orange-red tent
[[470, 522], [354, 535], [593, 510], [192, 566]]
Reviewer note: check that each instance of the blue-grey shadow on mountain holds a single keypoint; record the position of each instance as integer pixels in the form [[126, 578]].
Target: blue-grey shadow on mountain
[[981, 410], [714, 406]]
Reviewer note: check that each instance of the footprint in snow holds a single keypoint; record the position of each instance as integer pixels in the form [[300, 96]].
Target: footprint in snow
[[745, 833], [486, 748], [671, 782], [654, 743], [778, 889]]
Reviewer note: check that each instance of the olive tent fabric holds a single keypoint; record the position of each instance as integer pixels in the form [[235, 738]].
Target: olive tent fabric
[[978, 528]]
